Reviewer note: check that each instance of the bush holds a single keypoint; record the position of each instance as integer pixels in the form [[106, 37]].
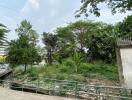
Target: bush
[[63, 69], [18, 71], [61, 76], [69, 63], [66, 71], [78, 77], [33, 72], [85, 67]]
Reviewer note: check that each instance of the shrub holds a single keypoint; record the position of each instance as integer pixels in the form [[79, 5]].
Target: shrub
[[77, 77], [33, 72], [18, 71], [85, 67], [61, 76], [69, 63], [63, 69]]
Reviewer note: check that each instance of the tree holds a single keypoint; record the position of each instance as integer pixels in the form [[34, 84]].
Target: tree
[[124, 29], [65, 44], [77, 58], [81, 30], [101, 43], [26, 28], [92, 40], [50, 45], [23, 51], [72, 38], [91, 6]]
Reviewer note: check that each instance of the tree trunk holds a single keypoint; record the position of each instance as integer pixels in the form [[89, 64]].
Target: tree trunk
[[76, 68], [25, 68]]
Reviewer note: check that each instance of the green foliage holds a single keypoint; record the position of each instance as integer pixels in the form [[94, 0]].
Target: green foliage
[[69, 63], [85, 71], [92, 6], [78, 51], [18, 71], [26, 28], [96, 37], [64, 69], [77, 59], [50, 45], [85, 68], [23, 51], [33, 72], [124, 29], [106, 70]]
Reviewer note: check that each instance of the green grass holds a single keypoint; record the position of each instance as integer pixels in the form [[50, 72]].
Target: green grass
[[66, 71]]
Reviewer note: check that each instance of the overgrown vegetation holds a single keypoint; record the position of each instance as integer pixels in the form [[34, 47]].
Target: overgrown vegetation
[[23, 51], [90, 40], [67, 71], [80, 51]]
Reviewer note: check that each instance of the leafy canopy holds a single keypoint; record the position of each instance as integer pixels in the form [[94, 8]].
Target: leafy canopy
[[50, 44], [92, 6], [23, 51], [124, 29], [91, 40]]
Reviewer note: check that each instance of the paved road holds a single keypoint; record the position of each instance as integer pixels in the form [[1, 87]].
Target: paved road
[[7, 94]]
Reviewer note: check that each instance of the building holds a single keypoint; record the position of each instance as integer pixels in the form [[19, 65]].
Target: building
[[3, 48]]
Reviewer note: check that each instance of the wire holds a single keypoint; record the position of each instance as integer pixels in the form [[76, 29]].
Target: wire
[[3, 6], [17, 12]]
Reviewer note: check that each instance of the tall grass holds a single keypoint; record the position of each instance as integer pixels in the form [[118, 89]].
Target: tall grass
[[67, 71]]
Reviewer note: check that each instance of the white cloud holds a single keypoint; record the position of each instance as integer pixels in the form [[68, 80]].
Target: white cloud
[[47, 14], [30, 4], [35, 3]]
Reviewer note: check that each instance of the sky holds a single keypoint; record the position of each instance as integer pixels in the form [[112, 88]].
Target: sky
[[46, 15]]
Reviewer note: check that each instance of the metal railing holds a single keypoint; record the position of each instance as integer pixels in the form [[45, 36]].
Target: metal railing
[[71, 89]]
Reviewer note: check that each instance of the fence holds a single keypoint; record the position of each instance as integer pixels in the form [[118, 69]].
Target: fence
[[71, 89]]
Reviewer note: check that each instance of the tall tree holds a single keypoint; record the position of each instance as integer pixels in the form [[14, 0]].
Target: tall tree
[[102, 44], [65, 44], [23, 51], [124, 29], [26, 28], [94, 39], [50, 45], [81, 31], [91, 6]]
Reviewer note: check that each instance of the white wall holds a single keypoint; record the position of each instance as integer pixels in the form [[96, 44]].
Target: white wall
[[126, 57]]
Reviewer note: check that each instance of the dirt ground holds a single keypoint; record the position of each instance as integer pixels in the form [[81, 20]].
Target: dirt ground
[[7, 94]]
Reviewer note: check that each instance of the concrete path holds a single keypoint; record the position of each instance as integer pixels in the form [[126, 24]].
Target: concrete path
[[7, 94]]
